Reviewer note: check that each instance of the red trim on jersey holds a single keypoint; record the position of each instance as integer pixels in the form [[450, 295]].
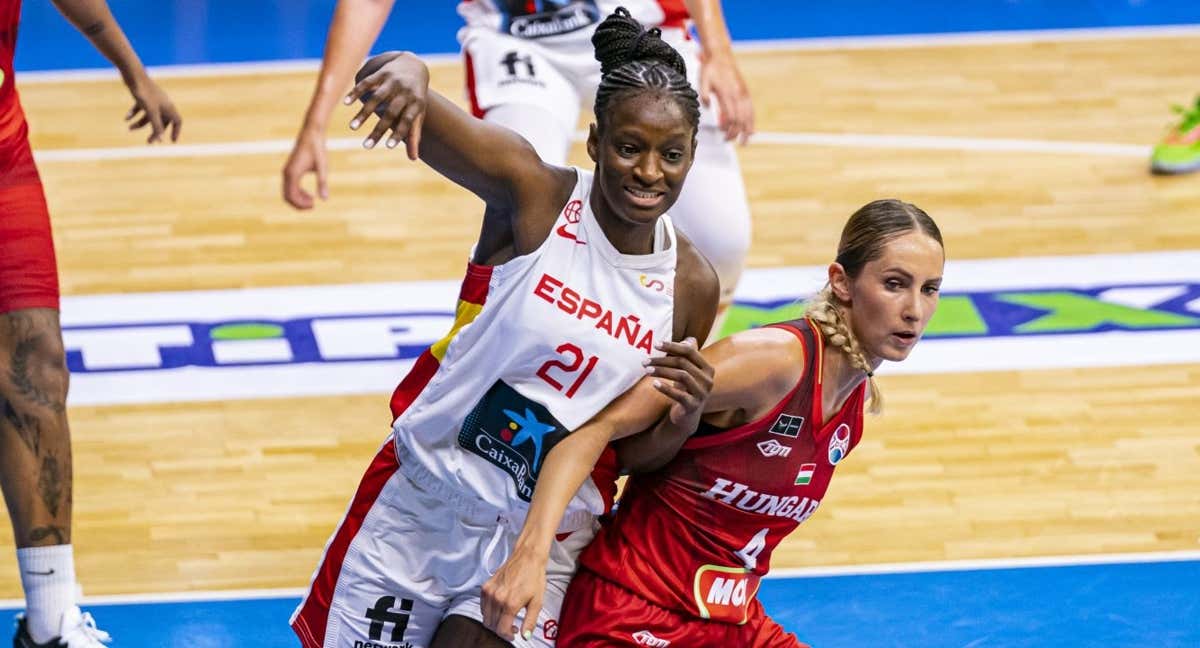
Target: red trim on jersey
[[409, 388], [734, 434], [675, 14], [474, 290], [472, 98], [475, 284], [604, 475], [311, 620]]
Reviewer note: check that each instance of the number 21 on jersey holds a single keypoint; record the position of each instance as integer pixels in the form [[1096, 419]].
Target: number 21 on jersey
[[562, 369]]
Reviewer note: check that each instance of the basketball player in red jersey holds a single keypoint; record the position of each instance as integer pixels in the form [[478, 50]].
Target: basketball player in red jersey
[[35, 447], [680, 562]]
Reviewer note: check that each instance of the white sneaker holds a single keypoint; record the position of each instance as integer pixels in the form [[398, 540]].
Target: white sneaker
[[76, 630]]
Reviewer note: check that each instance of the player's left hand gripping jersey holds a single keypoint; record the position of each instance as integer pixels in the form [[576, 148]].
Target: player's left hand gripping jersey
[[566, 20], [697, 535], [539, 345]]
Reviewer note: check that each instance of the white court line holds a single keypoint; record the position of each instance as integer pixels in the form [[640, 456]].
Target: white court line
[[805, 572], [836, 140], [898, 41]]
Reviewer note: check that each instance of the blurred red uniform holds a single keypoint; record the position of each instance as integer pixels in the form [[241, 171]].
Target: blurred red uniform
[[28, 274]]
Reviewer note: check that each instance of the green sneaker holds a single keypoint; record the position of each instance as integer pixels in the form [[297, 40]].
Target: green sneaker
[[1179, 151]]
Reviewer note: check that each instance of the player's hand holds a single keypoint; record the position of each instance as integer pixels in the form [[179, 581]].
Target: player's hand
[[152, 107], [308, 156], [519, 584], [684, 376], [720, 79], [394, 86]]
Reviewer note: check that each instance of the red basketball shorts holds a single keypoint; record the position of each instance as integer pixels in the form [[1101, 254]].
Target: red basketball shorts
[[28, 273], [597, 612]]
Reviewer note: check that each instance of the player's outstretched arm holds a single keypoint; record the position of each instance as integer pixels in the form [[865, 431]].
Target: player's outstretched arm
[[355, 27], [151, 106], [491, 161]]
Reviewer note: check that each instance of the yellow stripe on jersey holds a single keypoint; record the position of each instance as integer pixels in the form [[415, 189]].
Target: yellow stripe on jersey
[[465, 313]]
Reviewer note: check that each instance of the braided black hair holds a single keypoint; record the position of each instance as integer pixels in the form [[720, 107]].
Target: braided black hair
[[633, 59]]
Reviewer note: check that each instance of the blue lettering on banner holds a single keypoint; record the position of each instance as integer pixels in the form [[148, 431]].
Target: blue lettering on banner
[[342, 337]]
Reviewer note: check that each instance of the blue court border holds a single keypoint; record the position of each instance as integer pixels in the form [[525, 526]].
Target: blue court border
[[1128, 605]]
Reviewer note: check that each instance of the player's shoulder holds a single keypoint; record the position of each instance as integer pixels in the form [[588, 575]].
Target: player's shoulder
[[694, 275], [768, 361]]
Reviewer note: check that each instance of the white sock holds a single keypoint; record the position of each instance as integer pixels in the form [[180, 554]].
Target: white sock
[[48, 576]]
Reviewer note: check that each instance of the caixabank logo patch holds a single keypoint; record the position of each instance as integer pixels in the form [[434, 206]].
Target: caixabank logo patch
[[512, 432]]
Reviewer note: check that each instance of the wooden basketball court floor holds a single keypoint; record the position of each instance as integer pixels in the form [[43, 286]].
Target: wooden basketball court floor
[[1001, 464]]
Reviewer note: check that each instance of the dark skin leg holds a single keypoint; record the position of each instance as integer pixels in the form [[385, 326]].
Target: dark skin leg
[[463, 632], [35, 443]]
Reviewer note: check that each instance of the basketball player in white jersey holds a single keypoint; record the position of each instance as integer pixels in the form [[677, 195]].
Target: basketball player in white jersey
[[578, 279], [530, 68]]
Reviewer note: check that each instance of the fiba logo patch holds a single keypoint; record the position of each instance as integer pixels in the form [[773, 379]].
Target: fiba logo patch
[[839, 444]]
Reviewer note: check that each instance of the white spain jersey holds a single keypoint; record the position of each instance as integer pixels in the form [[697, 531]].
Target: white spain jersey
[[565, 20], [540, 344]]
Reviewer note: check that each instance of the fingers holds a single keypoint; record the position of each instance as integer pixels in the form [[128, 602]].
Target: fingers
[[399, 109], [293, 194], [500, 605], [414, 138], [322, 176], [748, 117], [680, 355], [156, 124], [171, 116], [361, 88], [705, 87], [689, 381], [532, 611], [488, 605], [504, 626], [145, 119]]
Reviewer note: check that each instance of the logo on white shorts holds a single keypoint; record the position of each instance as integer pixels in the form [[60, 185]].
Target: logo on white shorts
[[644, 638], [382, 615]]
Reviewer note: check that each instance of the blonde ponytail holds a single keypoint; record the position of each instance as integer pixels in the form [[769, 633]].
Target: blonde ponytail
[[828, 316]]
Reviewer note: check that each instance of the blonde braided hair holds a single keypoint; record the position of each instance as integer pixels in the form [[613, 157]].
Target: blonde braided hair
[[823, 310]]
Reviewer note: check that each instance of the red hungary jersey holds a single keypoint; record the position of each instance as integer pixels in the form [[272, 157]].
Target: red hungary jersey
[[697, 535], [12, 120]]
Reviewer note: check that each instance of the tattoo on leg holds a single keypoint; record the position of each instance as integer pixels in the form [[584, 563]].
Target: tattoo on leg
[[28, 335], [50, 484], [27, 427], [36, 536], [93, 29], [23, 381]]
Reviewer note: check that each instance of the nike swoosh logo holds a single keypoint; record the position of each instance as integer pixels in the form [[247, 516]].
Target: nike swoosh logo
[[37, 573]]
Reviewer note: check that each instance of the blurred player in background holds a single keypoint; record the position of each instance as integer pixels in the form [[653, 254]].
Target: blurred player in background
[[1179, 152]]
